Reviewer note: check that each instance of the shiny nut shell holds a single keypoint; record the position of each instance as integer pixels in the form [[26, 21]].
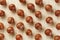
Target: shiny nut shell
[[58, 26], [57, 37], [11, 20], [57, 13], [29, 32], [48, 8], [29, 19], [2, 36], [49, 20], [1, 26], [38, 37], [12, 7], [23, 1], [38, 26], [38, 14], [20, 26], [48, 32], [19, 37], [2, 13], [3, 2], [57, 1], [20, 13], [31, 6], [39, 2], [10, 30]]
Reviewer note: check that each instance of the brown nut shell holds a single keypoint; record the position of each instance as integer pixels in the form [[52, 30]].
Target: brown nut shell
[[2, 36], [20, 13], [38, 26], [2, 13], [48, 32], [48, 8], [49, 20], [58, 26], [29, 19], [38, 37], [57, 37], [3, 2], [57, 13], [29, 32], [23, 1], [31, 6], [19, 37], [39, 2], [11, 20], [20, 26], [57, 1], [1, 26], [12, 7], [10, 30], [38, 14]]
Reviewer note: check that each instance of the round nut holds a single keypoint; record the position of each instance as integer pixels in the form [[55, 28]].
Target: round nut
[[12, 7], [10, 30], [31, 6], [23, 1], [20, 13], [49, 20], [39, 2], [2, 13], [19, 37], [11, 20], [38, 26], [29, 19], [48, 32], [57, 13], [58, 26], [38, 37], [1, 26], [20, 26], [56, 37], [57, 1], [38, 14], [29, 32], [48, 8], [1, 36], [3, 2]]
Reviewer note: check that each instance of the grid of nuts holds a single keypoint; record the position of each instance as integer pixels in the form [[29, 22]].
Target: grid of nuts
[[29, 19]]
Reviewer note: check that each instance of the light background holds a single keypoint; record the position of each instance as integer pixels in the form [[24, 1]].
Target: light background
[[28, 13]]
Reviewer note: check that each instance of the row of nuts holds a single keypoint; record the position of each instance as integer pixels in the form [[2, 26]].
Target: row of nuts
[[30, 6], [21, 26], [48, 32], [20, 37], [29, 20], [38, 2]]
